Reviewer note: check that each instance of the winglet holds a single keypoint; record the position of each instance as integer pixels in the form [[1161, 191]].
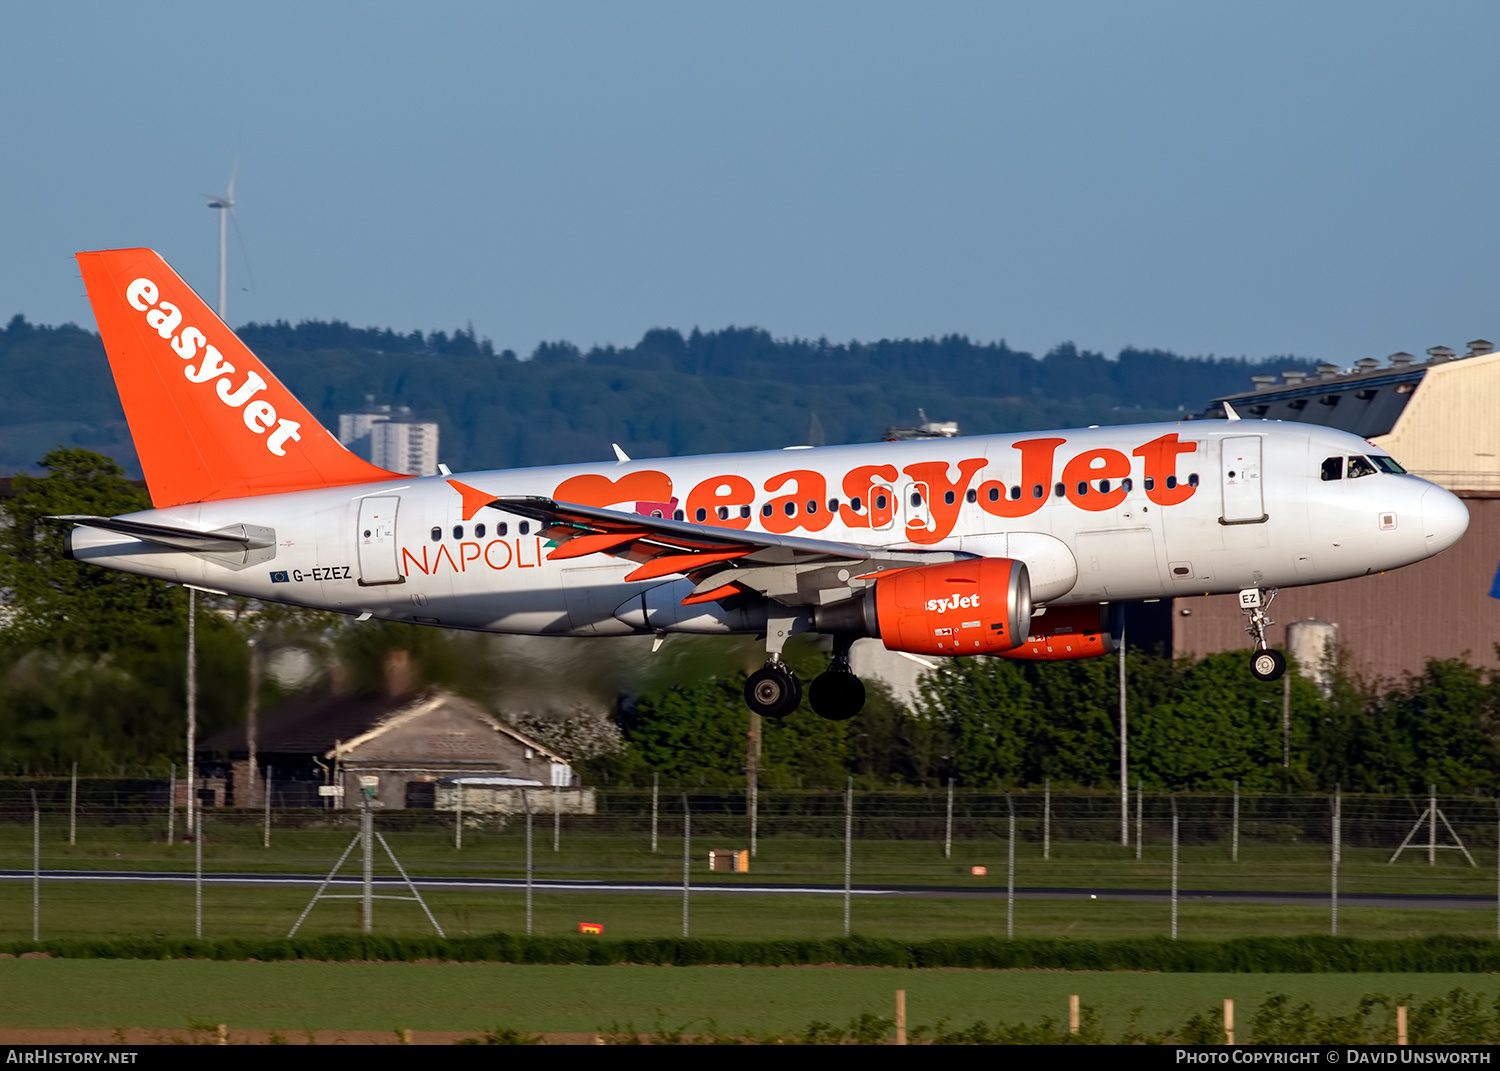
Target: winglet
[[1229, 413], [474, 499], [620, 455]]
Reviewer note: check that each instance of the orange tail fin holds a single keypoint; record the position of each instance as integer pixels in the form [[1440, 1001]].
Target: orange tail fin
[[208, 419]]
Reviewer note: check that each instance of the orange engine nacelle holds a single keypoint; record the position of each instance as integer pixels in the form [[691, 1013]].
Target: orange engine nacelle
[[977, 606], [1065, 632]]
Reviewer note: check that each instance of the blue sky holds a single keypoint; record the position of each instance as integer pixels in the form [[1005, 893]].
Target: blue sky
[[1308, 178]]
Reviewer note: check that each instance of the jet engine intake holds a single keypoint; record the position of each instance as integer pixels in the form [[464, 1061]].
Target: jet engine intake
[[978, 606], [1066, 632]]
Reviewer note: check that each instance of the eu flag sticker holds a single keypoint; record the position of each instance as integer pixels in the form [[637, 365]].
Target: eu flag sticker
[[280, 577]]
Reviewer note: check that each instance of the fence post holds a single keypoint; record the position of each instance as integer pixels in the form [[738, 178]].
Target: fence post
[[948, 827], [1174, 867], [198, 877], [458, 814], [526, 801], [848, 850], [1140, 807], [73, 808], [1497, 870], [1228, 1020], [1431, 824], [367, 888], [1047, 818], [1234, 836], [687, 857], [1400, 1024], [556, 818], [1338, 803], [267, 837], [1010, 872], [1073, 1013], [1124, 752], [900, 1017], [36, 870], [655, 787], [172, 805]]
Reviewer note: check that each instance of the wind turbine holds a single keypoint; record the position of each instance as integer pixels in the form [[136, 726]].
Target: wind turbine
[[225, 206]]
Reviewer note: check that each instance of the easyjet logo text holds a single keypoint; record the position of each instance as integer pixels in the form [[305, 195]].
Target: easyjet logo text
[[259, 415], [952, 602]]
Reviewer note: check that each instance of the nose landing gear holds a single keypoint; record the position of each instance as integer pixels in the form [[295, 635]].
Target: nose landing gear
[[1266, 664], [837, 694]]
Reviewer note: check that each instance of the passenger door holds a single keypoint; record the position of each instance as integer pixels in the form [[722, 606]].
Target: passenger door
[[376, 540], [1239, 480]]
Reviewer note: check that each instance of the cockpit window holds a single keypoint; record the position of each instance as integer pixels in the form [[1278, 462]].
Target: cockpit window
[[1360, 466], [1386, 464], [1333, 468]]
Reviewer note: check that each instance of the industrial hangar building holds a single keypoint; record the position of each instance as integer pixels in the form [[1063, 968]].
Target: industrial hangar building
[[1438, 418]]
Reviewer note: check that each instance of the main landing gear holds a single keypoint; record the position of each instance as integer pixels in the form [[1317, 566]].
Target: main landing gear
[[1266, 664], [773, 691], [837, 694]]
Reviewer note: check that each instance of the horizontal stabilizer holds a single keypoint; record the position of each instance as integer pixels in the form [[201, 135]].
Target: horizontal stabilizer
[[239, 537]]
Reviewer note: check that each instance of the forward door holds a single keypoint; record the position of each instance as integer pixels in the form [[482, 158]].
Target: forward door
[[1239, 480]]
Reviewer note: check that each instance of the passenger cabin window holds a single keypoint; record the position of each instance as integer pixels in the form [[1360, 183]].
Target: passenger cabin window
[[479, 531], [677, 515], [971, 495], [744, 513], [1359, 466], [916, 498], [766, 510], [855, 504], [1386, 464], [458, 531], [437, 534], [947, 498], [502, 529], [881, 501], [1127, 485], [525, 527], [702, 515], [1333, 469]]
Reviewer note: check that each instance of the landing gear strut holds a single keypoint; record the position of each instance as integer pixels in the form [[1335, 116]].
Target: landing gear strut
[[773, 691], [1266, 664], [837, 694]]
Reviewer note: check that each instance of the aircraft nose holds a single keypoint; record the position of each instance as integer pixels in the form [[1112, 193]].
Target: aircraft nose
[[1444, 519]]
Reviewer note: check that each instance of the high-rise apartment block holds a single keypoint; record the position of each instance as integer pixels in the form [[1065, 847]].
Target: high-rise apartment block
[[391, 440]]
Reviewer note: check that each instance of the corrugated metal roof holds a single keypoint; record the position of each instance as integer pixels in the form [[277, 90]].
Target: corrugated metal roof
[[1363, 403]]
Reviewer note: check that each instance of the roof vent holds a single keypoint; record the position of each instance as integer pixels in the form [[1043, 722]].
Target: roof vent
[[1401, 360], [1439, 354], [1329, 371], [1479, 347], [1293, 376], [1263, 382], [1367, 364]]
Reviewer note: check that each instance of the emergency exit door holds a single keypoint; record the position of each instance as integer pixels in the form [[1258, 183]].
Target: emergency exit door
[[1239, 477], [376, 540]]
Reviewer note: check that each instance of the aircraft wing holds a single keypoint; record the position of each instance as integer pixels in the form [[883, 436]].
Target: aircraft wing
[[722, 562]]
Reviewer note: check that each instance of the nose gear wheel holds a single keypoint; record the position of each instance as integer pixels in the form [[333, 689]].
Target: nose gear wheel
[[1266, 664]]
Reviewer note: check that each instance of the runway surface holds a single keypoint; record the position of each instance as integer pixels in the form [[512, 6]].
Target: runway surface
[[987, 890]]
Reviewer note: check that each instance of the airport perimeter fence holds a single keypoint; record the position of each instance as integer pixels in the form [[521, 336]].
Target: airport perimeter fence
[[1286, 853], [137, 807]]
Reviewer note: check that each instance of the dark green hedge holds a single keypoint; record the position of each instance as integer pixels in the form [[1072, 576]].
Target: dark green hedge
[[1244, 955]]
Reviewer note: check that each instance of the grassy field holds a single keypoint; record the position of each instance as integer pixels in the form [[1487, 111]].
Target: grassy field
[[292, 997], [587, 854], [93, 909]]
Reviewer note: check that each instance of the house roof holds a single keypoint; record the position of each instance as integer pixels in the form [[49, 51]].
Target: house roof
[[316, 722]]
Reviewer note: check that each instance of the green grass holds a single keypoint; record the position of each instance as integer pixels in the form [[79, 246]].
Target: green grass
[[296, 996], [94, 909], [589, 854]]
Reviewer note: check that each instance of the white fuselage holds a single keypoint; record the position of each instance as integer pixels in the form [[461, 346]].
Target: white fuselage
[[1254, 512]]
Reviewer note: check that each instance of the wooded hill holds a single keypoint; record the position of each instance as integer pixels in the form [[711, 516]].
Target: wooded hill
[[669, 394]]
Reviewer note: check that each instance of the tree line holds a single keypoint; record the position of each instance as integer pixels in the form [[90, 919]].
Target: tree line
[[669, 394]]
